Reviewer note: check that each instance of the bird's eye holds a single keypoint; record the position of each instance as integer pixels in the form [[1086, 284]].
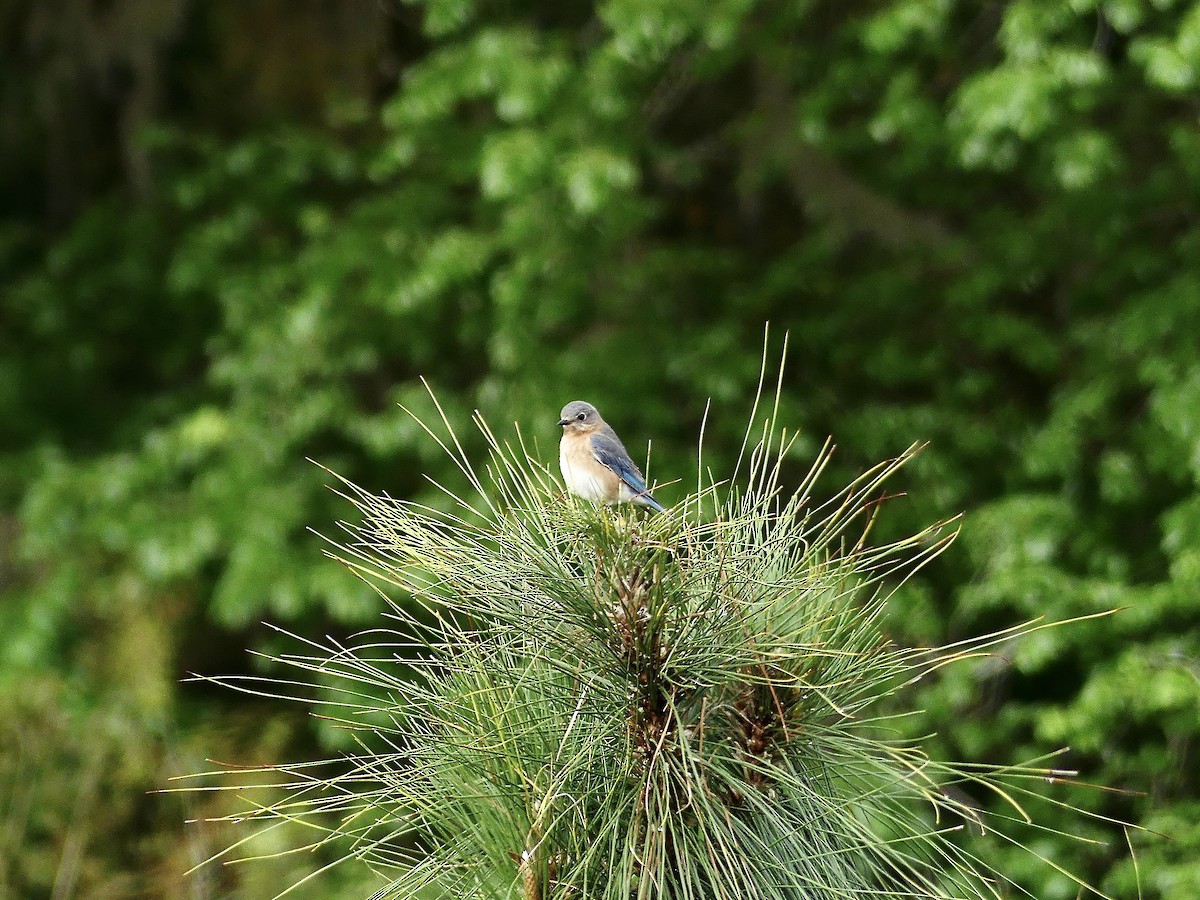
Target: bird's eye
[[581, 416]]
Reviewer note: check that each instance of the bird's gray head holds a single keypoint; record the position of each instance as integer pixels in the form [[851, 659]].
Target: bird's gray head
[[579, 416]]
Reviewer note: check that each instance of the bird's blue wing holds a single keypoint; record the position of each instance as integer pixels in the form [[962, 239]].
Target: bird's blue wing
[[610, 454]]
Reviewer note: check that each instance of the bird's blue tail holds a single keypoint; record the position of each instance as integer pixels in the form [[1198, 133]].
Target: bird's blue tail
[[649, 502]]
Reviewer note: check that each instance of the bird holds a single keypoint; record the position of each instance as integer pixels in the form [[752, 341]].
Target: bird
[[595, 464]]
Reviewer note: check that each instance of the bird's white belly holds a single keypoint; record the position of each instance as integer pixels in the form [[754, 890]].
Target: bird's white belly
[[626, 494], [583, 483]]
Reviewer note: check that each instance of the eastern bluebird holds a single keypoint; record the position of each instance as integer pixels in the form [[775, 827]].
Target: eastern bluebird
[[595, 464]]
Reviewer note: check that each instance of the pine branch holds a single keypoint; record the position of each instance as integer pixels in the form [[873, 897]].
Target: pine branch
[[586, 703]]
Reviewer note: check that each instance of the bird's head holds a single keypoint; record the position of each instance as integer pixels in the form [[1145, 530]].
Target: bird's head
[[580, 417]]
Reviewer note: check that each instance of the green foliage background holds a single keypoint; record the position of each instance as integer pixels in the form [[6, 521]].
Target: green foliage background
[[235, 234]]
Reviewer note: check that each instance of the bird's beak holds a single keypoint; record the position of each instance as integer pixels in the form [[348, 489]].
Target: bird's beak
[[564, 421]]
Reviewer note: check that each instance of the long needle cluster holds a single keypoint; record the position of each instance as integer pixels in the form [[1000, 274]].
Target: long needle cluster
[[573, 703]]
